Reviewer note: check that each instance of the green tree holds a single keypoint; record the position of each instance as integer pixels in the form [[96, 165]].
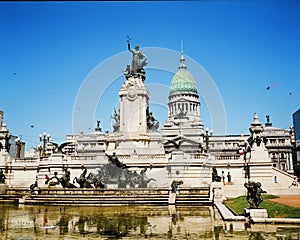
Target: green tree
[[297, 170]]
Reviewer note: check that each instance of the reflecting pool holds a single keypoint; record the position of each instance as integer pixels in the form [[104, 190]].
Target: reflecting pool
[[130, 222]]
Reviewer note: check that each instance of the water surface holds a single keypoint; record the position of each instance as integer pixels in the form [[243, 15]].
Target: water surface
[[130, 222]]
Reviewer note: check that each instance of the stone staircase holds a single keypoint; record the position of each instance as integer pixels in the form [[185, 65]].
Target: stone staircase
[[106, 197], [10, 198], [193, 200], [97, 200]]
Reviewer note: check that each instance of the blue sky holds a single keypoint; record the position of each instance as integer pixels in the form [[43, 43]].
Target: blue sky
[[47, 50]]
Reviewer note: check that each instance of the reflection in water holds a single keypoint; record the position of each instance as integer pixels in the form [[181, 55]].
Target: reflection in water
[[135, 222], [63, 223]]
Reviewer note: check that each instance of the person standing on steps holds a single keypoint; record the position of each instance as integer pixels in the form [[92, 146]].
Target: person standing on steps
[[229, 178], [223, 177]]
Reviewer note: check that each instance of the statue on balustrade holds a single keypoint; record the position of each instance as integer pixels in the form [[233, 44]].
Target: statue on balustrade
[[116, 117]]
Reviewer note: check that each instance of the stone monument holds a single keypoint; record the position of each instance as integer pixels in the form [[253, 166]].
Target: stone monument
[[135, 127], [175, 153], [134, 97], [259, 163], [254, 198]]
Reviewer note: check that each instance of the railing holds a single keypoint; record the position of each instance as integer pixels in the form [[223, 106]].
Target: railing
[[77, 158], [124, 157], [218, 148], [287, 145], [198, 155], [152, 156], [25, 160], [228, 157], [283, 172]]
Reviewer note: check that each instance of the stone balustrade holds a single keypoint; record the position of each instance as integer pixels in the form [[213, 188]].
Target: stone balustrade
[[228, 157]]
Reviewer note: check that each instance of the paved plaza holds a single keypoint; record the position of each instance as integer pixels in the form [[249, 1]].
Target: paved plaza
[[293, 201]]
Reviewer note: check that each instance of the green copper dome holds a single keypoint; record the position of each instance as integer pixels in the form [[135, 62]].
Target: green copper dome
[[183, 81]]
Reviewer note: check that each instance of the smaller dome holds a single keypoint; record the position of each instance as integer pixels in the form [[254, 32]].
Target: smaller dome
[[183, 81]]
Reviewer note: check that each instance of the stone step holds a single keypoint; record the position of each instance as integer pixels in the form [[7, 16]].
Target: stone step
[[105, 200], [95, 200], [9, 198], [189, 203], [97, 197], [114, 197], [191, 197], [96, 203]]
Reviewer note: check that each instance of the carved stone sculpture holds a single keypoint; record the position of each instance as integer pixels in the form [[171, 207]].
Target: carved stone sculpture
[[175, 185], [116, 117], [214, 175], [254, 193], [139, 60], [152, 123]]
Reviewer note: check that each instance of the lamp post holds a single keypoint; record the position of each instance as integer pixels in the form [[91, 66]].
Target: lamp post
[[208, 134], [246, 151], [40, 147], [44, 139]]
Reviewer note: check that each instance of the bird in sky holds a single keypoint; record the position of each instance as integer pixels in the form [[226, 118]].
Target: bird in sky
[[268, 88]]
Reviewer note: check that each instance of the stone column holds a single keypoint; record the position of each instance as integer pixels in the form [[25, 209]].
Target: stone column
[[134, 102]]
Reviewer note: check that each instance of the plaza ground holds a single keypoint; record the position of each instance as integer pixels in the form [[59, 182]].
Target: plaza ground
[[293, 201]]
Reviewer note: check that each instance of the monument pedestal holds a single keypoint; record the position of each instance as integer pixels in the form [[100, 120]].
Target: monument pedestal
[[172, 198], [3, 188], [112, 185], [255, 213], [217, 191], [133, 108]]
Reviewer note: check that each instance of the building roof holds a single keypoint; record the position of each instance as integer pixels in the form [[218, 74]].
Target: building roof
[[183, 81]]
